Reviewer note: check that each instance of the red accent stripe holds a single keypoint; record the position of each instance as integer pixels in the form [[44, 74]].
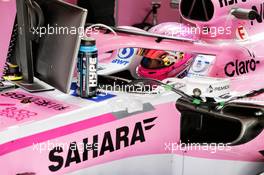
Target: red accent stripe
[[54, 133]]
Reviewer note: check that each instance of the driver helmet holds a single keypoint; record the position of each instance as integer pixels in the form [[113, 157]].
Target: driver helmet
[[158, 64]]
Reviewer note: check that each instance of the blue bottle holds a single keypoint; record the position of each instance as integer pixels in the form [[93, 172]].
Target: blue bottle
[[87, 68]]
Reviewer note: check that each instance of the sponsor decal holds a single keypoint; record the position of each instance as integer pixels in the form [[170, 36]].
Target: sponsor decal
[[93, 72], [99, 145], [17, 114], [221, 88], [241, 67], [260, 10], [212, 89], [224, 3], [241, 33], [39, 101], [124, 55], [120, 62]]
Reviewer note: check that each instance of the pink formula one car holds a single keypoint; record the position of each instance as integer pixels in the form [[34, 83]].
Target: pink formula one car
[[225, 43], [165, 132]]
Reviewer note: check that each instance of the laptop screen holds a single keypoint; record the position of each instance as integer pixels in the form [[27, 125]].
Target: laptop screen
[[8, 13]]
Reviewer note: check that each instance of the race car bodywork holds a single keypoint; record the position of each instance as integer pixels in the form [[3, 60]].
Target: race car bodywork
[[122, 133]]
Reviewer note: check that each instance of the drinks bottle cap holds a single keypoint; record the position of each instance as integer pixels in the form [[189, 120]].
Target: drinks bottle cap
[[88, 41]]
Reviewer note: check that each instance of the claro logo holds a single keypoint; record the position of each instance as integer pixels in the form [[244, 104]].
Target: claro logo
[[241, 67]]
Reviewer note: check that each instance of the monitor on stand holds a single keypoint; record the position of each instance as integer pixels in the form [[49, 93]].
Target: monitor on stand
[[47, 59], [24, 51]]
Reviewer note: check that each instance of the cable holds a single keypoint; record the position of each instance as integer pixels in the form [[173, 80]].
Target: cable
[[36, 16], [144, 82], [197, 101], [39, 13], [166, 86], [253, 93], [103, 26], [31, 13]]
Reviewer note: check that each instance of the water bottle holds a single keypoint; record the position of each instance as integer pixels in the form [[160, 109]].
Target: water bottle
[[87, 68]]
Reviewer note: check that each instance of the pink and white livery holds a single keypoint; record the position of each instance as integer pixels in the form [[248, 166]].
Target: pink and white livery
[[162, 133]]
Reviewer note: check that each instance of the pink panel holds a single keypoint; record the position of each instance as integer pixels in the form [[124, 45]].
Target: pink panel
[[131, 12], [71, 1], [8, 11], [159, 126], [13, 111]]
